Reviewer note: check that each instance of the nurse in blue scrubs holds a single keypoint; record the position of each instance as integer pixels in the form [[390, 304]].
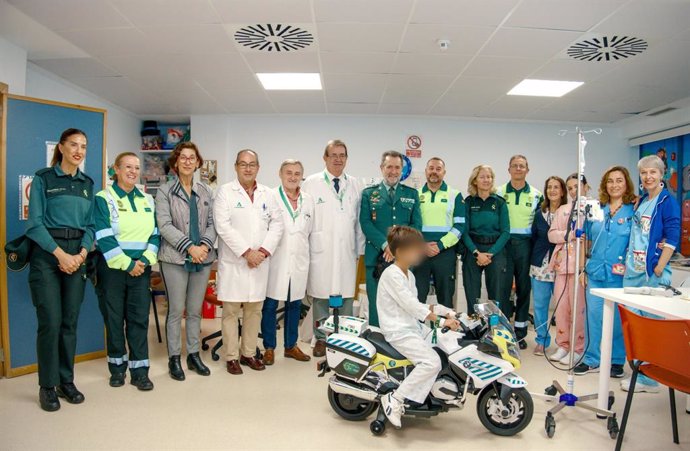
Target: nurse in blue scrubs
[[654, 237], [606, 265]]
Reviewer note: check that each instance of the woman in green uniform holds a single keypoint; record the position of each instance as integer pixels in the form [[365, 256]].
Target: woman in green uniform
[[60, 227], [127, 239], [487, 231]]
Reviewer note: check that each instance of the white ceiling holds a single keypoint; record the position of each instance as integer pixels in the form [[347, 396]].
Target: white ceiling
[[178, 57]]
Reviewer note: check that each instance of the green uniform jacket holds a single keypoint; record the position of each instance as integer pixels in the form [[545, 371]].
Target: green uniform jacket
[[486, 220], [378, 214], [60, 201]]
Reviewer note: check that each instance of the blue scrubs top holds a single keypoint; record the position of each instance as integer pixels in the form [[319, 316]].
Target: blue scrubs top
[[636, 263], [610, 239]]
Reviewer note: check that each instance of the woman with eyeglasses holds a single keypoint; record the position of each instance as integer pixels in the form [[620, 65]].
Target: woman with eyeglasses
[[184, 211], [654, 237], [562, 234], [606, 245]]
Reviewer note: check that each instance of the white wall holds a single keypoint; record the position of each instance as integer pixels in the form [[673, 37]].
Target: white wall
[[122, 128], [13, 66], [462, 143]]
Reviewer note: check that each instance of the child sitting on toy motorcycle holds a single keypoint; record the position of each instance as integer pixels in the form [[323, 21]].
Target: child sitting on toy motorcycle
[[400, 317]]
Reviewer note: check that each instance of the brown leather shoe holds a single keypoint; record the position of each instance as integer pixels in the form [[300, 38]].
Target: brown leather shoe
[[296, 353], [233, 367], [319, 348], [269, 357], [252, 363]]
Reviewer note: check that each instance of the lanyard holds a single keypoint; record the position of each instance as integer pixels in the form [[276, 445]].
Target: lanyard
[[293, 213], [339, 195]]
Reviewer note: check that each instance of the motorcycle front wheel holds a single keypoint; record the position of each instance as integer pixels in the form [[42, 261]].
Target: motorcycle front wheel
[[505, 420], [350, 407]]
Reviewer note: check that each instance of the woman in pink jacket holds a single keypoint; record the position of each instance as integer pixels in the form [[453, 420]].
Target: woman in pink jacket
[[563, 263]]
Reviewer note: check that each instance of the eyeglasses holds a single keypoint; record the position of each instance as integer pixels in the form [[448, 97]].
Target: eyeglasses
[[518, 166], [190, 159], [338, 156], [243, 165]]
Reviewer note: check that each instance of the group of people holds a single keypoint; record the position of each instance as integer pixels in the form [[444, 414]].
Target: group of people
[[304, 238]]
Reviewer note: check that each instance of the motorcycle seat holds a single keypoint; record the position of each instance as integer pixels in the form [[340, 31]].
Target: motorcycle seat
[[381, 345]]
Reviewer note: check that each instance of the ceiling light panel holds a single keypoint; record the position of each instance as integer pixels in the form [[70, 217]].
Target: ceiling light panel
[[290, 81], [544, 88]]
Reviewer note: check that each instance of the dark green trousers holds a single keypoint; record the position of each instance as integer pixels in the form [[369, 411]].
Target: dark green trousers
[[443, 267], [498, 282], [372, 286], [57, 297], [519, 255], [125, 302]]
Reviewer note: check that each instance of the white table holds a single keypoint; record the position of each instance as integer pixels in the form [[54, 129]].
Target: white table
[[670, 308]]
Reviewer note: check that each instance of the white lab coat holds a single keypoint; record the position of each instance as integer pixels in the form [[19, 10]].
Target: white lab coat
[[400, 313], [242, 224], [336, 240], [290, 261]]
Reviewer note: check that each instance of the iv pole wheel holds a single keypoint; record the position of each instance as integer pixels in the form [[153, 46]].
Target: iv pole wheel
[[550, 425], [612, 426]]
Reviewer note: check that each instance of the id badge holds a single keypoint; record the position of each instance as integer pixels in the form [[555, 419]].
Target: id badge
[[618, 269]]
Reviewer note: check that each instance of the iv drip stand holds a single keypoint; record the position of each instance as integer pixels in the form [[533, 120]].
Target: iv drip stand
[[565, 397]]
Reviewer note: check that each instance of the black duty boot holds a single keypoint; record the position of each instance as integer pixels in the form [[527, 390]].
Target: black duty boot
[[70, 393], [194, 363], [48, 398], [521, 337], [175, 368], [117, 379], [142, 382]]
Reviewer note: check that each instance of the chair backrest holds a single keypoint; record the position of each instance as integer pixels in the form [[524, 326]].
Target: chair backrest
[[661, 342]]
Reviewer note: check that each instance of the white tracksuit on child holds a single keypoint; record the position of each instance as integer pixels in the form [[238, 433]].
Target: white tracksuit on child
[[400, 313]]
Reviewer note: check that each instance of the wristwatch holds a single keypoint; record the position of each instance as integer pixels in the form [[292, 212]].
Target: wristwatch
[[476, 252]]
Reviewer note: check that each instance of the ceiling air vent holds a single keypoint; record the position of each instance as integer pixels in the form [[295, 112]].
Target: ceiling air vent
[[607, 48], [274, 37]]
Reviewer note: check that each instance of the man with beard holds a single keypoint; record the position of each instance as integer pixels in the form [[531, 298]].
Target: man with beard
[[385, 205], [443, 221]]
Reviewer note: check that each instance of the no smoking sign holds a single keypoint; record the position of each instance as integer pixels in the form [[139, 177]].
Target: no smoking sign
[[413, 146]]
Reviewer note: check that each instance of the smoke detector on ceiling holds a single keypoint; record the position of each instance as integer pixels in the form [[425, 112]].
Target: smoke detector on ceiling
[[607, 48], [273, 37]]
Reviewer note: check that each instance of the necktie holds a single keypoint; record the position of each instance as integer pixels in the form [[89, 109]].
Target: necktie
[[336, 184], [391, 193]]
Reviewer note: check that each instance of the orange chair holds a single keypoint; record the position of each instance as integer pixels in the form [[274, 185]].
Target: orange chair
[[668, 364]]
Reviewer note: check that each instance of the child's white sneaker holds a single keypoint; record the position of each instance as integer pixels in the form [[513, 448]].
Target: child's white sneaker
[[393, 409], [566, 360], [558, 355]]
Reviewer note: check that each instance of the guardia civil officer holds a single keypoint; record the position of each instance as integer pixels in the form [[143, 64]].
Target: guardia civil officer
[[384, 205], [443, 220], [60, 227], [487, 231], [128, 240], [523, 202]]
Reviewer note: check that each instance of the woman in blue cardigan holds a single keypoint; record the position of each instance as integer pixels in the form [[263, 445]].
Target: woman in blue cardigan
[[654, 237], [543, 277]]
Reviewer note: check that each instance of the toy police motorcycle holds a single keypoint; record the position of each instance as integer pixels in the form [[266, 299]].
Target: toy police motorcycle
[[478, 359]]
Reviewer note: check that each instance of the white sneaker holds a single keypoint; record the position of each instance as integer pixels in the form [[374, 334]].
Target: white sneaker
[[639, 386], [393, 409], [558, 355], [566, 360]]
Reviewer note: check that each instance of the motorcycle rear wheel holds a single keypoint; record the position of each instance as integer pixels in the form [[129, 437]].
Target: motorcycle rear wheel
[[520, 411], [350, 407]]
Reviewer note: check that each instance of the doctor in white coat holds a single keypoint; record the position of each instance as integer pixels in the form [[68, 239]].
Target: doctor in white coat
[[336, 241], [249, 225], [289, 267]]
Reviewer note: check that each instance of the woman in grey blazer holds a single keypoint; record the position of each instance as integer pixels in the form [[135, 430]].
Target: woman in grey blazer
[[184, 212]]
